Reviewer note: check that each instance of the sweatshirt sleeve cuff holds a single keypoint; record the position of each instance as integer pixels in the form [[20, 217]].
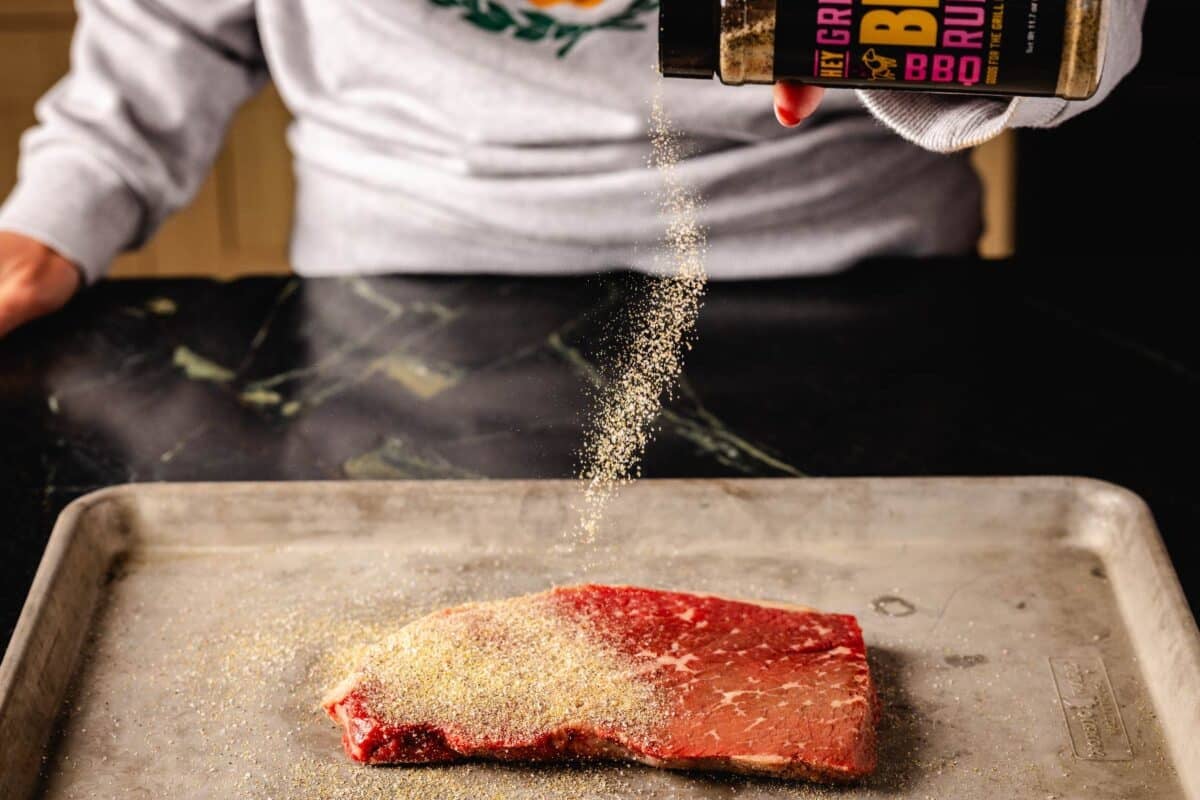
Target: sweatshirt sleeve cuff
[[946, 124], [76, 206]]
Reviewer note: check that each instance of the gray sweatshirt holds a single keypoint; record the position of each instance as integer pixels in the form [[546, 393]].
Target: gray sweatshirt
[[493, 136]]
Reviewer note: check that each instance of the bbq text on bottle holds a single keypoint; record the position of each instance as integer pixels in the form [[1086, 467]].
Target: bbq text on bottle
[[1013, 46]]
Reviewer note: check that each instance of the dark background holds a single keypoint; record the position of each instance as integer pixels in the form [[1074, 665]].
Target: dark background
[[1103, 185], [1099, 194]]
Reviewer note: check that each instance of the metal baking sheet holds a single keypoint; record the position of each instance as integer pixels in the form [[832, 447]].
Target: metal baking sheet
[[1029, 636]]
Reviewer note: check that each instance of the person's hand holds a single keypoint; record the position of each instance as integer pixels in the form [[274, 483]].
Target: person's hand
[[795, 102], [34, 280]]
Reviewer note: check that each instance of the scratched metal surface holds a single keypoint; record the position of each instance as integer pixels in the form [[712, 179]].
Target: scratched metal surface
[[1026, 634]]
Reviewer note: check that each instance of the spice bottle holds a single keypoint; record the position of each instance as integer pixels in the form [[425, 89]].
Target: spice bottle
[[993, 47]]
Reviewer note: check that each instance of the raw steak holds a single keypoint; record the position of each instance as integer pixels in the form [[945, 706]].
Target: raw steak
[[674, 680]]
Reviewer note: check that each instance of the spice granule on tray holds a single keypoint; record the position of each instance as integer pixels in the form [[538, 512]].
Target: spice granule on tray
[[516, 663], [664, 326], [316, 778]]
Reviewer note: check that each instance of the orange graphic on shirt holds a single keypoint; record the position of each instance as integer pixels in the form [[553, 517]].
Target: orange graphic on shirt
[[579, 3]]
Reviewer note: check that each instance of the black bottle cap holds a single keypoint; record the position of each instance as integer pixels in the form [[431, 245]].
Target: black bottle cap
[[687, 38]]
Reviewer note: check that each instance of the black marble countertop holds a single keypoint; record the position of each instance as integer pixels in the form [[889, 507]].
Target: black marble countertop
[[940, 368]]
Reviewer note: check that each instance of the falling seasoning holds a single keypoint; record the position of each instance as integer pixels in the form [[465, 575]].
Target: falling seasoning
[[664, 323], [994, 47]]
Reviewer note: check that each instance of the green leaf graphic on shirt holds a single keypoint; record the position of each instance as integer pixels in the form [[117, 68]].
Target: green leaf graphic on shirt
[[539, 25], [491, 17], [535, 26]]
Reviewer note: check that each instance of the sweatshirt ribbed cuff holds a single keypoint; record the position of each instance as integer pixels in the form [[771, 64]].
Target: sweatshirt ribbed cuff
[[74, 205], [945, 124], [937, 122]]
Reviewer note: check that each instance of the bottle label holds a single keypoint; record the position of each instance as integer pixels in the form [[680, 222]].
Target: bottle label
[[981, 46]]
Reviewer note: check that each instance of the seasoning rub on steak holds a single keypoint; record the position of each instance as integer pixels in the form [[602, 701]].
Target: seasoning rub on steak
[[675, 680]]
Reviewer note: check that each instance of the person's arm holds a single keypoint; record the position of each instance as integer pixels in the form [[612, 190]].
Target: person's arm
[[126, 138], [947, 123]]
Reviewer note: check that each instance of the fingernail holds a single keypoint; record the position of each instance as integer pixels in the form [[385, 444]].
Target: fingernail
[[785, 116]]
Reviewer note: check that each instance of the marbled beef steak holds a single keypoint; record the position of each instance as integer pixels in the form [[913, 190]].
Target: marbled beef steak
[[671, 679]]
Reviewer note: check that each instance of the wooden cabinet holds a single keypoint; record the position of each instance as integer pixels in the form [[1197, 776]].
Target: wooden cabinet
[[39, 8], [239, 221], [996, 163], [31, 59]]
